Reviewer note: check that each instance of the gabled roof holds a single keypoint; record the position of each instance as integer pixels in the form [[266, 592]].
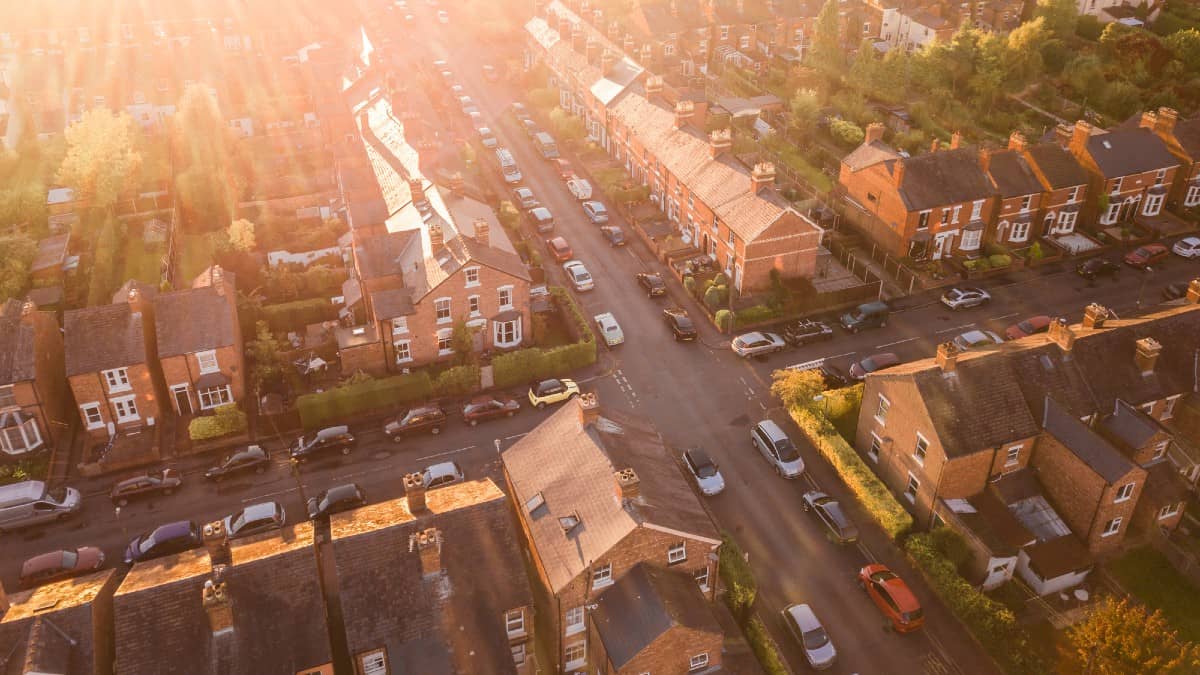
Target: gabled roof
[[1012, 175], [644, 605], [1122, 152], [571, 467], [32, 630], [869, 154], [195, 320], [103, 337], [1059, 166], [51, 252], [1131, 426], [1087, 445], [943, 177], [18, 358], [451, 622]]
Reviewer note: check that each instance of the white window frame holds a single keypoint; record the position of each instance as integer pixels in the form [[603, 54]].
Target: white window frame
[[977, 209], [399, 325], [1124, 493], [1160, 449], [374, 663], [514, 622], [955, 214], [1160, 176], [499, 328], [1193, 196], [403, 347], [31, 437], [504, 294], [921, 449], [602, 576], [1153, 205], [441, 305], [1019, 232], [471, 276], [8, 392], [881, 410], [912, 488], [970, 240], [1169, 409], [1110, 216], [575, 647], [1026, 203], [700, 576], [676, 553], [445, 335], [473, 306], [207, 361], [1112, 527], [1168, 511], [215, 397], [518, 653], [923, 220], [117, 380], [129, 405], [1116, 186], [1074, 194], [875, 447], [697, 662], [573, 621], [86, 411], [1013, 455]]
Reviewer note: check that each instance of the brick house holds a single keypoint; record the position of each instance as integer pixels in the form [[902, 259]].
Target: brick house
[[434, 582], [1130, 171], [1151, 445], [199, 342], [597, 496], [1064, 185], [64, 627], [933, 205], [33, 395], [1020, 195], [112, 365], [1182, 138]]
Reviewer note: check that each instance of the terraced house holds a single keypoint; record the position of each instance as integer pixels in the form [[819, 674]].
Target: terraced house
[[33, 394], [1182, 138], [1130, 171]]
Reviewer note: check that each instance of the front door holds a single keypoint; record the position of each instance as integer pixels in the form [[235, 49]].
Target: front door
[[942, 245], [183, 402]]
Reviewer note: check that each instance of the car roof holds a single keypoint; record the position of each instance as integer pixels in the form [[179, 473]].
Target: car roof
[[342, 491], [39, 563], [178, 528], [900, 592], [804, 617], [558, 241], [443, 469], [261, 510], [698, 456], [540, 212], [1190, 240]]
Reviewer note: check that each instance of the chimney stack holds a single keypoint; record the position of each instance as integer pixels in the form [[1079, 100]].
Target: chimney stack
[[481, 231], [1062, 135], [1061, 334], [719, 140], [985, 159], [654, 86], [564, 28], [217, 604], [4, 604], [1094, 315], [607, 61], [762, 177], [674, 8], [955, 140], [589, 409], [898, 172], [627, 44], [1017, 142], [428, 544], [1164, 125], [417, 188], [1079, 137], [28, 312], [216, 541], [933, 145], [577, 40], [874, 132], [456, 183], [1146, 354], [138, 304], [1149, 120], [436, 240], [414, 491], [591, 51], [947, 357], [1193, 292], [629, 486], [217, 278], [683, 113], [614, 29]]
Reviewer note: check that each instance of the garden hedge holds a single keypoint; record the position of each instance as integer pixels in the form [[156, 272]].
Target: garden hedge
[[336, 405], [227, 419], [457, 381], [755, 314], [764, 648], [740, 587], [862, 481], [295, 316]]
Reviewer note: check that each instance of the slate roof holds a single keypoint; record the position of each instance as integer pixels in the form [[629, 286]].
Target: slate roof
[[869, 154], [1122, 152], [447, 623], [103, 337], [943, 177], [51, 252], [195, 320], [1187, 132], [1131, 426], [18, 361], [30, 644], [391, 303], [1055, 557], [278, 611], [1058, 165], [1087, 445], [995, 525], [1012, 175], [572, 467], [644, 605], [44, 296]]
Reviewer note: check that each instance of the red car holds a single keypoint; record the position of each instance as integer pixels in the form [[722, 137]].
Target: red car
[[565, 171], [483, 408], [57, 565], [1145, 256], [893, 597], [1030, 326], [560, 249]]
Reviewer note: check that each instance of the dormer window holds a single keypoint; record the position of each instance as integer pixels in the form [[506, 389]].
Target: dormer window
[[117, 379]]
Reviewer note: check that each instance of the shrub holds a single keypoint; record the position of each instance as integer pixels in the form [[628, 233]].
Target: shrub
[[517, 367], [741, 587], [29, 468], [337, 404], [227, 420], [457, 381], [863, 482], [689, 285], [764, 648], [755, 314], [999, 260], [846, 132], [1035, 251], [295, 316], [723, 318], [284, 284], [715, 296]]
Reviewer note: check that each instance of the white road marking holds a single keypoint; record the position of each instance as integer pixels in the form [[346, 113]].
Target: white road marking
[[956, 328], [520, 435], [448, 452], [269, 494], [941, 651], [1006, 316], [862, 548], [897, 342]]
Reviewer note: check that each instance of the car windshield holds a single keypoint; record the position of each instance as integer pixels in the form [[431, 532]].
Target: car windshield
[[239, 522], [869, 365], [706, 470], [787, 451], [70, 558], [581, 275], [147, 544], [611, 328], [815, 639], [913, 615], [684, 323], [1025, 326]]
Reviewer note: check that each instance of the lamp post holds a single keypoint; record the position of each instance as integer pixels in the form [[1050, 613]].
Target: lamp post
[[1142, 288]]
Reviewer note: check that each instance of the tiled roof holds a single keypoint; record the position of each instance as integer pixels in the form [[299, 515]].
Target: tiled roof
[[1012, 175], [995, 525], [723, 184], [1056, 557], [17, 356], [645, 604], [1122, 152], [451, 622], [572, 467], [1187, 132], [31, 632], [393, 302], [1130, 426], [1164, 485], [943, 177], [1059, 166], [869, 154], [51, 252], [381, 255], [1087, 445], [103, 337], [195, 320], [278, 611]]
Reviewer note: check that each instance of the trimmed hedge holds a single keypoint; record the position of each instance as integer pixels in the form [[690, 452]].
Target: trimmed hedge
[[337, 404], [755, 314], [863, 482], [740, 587], [457, 381], [295, 316], [519, 367], [583, 329], [227, 420], [764, 647]]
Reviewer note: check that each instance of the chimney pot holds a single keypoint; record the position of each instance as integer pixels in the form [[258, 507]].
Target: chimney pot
[[1062, 135], [589, 408], [1148, 120], [428, 544], [1094, 315], [947, 357], [216, 541], [955, 140], [436, 240], [592, 51], [1146, 354], [1079, 137], [1193, 292], [1017, 142], [762, 177], [414, 491], [482, 228], [629, 486], [654, 86], [1165, 123], [719, 141], [683, 113], [28, 312], [607, 61], [218, 605], [933, 145], [874, 132], [417, 188], [1060, 333]]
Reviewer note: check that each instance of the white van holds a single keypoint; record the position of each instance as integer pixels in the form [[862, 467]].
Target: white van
[[580, 188], [508, 166], [30, 503]]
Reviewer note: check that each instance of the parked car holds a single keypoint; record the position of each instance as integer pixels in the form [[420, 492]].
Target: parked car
[[329, 439], [336, 499], [872, 363], [610, 330], [483, 408], [893, 597], [255, 519], [464, 102], [520, 112], [1031, 326], [490, 73], [550, 391], [777, 449], [832, 377], [487, 138], [559, 248], [1146, 256], [530, 128], [442, 474], [830, 512], [1174, 291], [580, 188], [252, 458], [614, 235], [807, 630], [166, 539], [866, 315], [64, 564], [542, 219], [565, 171], [524, 198], [652, 283], [757, 343], [704, 471], [418, 420], [682, 328], [806, 331], [596, 212], [1188, 247], [976, 339], [579, 276], [965, 297], [30, 502], [1097, 267], [162, 482]]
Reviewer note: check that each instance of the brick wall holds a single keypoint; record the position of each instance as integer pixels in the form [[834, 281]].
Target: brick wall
[[670, 653], [92, 388], [51, 377], [185, 369]]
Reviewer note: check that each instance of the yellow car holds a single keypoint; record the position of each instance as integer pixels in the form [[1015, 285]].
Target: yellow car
[[552, 391]]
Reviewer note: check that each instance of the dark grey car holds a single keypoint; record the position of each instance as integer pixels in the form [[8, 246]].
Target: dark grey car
[[830, 512]]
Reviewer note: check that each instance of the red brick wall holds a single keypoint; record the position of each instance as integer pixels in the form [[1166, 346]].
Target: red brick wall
[[50, 379], [92, 388], [670, 653], [184, 368]]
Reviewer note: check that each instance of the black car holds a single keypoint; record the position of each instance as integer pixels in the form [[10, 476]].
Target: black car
[[483, 408], [614, 235], [805, 331], [166, 539], [422, 419], [145, 485], [682, 328], [335, 500], [329, 439], [252, 458], [653, 284], [1174, 291], [1098, 267]]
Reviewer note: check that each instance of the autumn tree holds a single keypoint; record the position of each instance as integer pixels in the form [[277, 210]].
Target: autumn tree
[[241, 235], [1185, 45], [1120, 638], [806, 111], [827, 45], [205, 181], [797, 388], [101, 161], [19, 251], [1060, 16]]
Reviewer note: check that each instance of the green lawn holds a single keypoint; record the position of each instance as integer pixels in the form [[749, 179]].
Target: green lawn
[[142, 262], [1148, 575], [195, 255]]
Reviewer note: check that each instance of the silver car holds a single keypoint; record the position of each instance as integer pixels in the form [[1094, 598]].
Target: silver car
[[445, 473], [777, 449], [756, 343], [705, 472], [255, 519], [803, 624], [976, 339]]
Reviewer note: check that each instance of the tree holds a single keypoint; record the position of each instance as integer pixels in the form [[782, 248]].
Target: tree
[[205, 182], [797, 388], [567, 127], [462, 340], [1121, 99], [1185, 45], [1119, 638], [827, 45], [101, 161], [23, 204], [19, 251], [1084, 74], [266, 352], [806, 111], [846, 132], [1022, 56], [241, 235], [1060, 16], [544, 98]]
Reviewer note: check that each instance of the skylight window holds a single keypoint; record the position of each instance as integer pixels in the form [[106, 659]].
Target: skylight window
[[570, 522], [533, 503]]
